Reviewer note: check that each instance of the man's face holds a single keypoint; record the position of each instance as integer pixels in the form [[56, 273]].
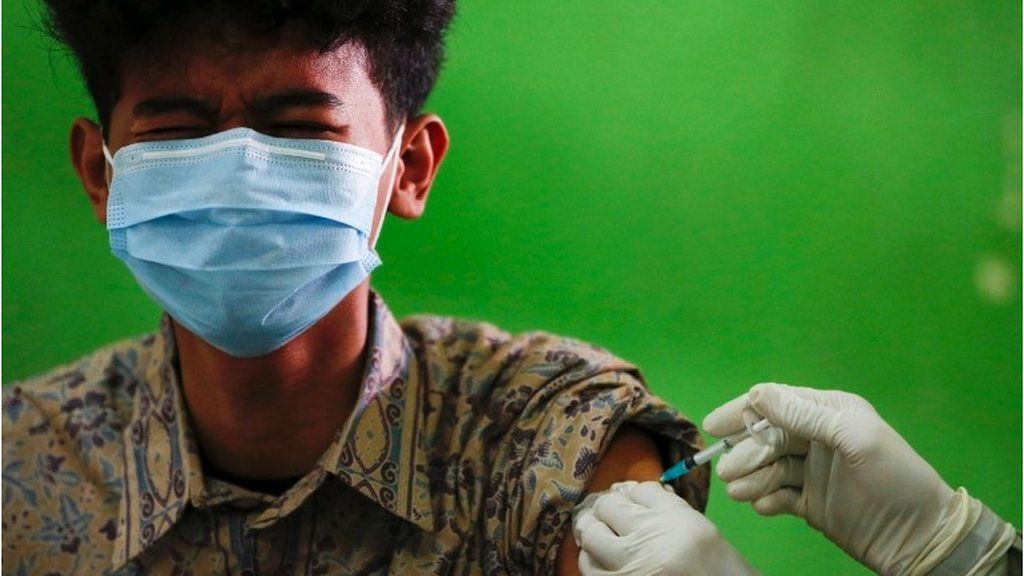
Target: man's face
[[277, 86]]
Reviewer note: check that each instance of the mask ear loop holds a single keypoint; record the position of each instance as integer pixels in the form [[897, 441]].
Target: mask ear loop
[[396, 144], [108, 170]]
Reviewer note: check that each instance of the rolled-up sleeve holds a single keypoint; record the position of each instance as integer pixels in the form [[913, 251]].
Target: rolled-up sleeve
[[568, 400]]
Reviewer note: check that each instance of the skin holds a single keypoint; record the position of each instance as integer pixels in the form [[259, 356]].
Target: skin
[[271, 417]]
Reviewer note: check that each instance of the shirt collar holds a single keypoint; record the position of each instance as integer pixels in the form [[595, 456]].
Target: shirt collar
[[379, 454], [376, 453]]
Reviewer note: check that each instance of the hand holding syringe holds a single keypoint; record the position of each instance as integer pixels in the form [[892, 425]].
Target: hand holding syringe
[[720, 447], [830, 459]]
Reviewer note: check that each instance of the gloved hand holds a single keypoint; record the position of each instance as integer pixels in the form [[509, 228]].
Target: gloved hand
[[644, 529], [833, 461]]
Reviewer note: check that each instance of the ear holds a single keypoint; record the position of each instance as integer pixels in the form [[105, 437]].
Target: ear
[[90, 165], [424, 145]]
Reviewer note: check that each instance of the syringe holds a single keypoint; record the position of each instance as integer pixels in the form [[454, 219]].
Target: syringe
[[720, 447]]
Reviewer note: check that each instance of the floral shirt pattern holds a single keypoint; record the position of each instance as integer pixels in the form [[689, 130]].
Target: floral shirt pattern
[[465, 455]]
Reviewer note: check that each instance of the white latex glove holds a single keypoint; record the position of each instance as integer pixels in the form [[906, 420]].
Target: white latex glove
[[833, 461], [645, 529]]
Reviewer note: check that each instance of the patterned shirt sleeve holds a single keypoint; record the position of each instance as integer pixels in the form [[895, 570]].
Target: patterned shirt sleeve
[[536, 415], [579, 396], [61, 471]]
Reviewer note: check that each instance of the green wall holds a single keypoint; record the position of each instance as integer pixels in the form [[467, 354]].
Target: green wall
[[820, 193]]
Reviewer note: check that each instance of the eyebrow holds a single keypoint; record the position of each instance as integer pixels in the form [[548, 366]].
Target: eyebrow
[[168, 104], [276, 103], [266, 105]]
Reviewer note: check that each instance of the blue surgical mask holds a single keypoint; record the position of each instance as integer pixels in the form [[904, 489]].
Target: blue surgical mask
[[245, 239]]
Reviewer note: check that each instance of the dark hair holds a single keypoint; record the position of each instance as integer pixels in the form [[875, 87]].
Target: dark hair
[[404, 39]]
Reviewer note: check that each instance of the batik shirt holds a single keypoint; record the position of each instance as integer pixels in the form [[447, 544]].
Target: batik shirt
[[465, 455]]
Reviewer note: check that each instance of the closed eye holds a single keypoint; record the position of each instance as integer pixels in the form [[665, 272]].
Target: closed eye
[[172, 133], [300, 129]]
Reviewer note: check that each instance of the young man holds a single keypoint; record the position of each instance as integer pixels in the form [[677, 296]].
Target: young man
[[281, 421]]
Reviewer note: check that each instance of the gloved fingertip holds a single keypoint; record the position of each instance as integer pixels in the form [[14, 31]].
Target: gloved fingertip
[[726, 419], [769, 399], [710, 421], [757, 391], [801, 412], [624, 487], [656, 496], [586, 503], [581, 517], [580, 523], [731, 490], [741, 490], [608, 503], [782, 501], [725, 470]]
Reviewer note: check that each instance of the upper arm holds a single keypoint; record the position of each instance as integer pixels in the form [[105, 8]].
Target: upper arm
[[632, 455]]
